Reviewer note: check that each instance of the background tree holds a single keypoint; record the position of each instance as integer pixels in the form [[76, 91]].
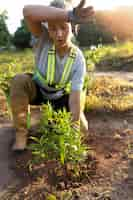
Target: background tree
[[107, 26], [4, 33], [22, 36], [93, 33]]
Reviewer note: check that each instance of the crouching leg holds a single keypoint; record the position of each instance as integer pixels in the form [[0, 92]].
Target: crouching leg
[[22, 91]]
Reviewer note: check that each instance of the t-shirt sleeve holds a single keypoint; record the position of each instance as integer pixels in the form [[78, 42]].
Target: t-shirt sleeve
[[79, 72]]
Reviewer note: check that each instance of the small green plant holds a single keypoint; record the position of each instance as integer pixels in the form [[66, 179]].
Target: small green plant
[[58, 139], [51, 197]]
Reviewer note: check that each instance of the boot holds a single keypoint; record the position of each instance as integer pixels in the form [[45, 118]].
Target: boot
[[20, 119], [19, 113]]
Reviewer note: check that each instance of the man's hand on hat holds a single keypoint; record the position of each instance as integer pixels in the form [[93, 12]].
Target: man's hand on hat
[[81, 14]]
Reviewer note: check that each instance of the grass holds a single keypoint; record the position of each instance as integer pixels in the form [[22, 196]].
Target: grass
[[110, 94], [12, 63], [21, 59], [108, 57]]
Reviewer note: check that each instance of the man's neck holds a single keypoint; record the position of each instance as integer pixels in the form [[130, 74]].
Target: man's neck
[[64, 50]]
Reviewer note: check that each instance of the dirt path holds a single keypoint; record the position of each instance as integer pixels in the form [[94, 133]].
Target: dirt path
[[8, 178], [111, 132], [6, 174], [124, 75]]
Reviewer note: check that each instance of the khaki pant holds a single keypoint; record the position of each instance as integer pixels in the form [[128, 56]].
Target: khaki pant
[[22, 92]]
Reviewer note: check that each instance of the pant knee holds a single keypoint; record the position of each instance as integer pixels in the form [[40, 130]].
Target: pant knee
[[22, 86], [19, 80]]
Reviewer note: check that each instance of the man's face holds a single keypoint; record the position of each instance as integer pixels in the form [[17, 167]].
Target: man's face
[[60, 33]]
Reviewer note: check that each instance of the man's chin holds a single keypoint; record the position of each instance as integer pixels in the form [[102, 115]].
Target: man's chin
[[61, 44]]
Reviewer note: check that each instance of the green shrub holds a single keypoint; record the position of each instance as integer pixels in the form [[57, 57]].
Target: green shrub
[[58, 140]]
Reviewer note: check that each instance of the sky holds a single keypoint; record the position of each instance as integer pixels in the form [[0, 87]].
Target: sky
[[14, 8]]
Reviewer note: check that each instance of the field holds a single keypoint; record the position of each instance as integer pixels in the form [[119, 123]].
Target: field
[[107, 173]]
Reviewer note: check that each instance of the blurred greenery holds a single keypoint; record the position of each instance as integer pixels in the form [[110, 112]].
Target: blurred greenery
[[22, 36], [4, 33]]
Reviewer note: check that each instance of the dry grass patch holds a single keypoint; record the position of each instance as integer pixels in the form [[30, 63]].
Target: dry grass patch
[[110, 93]]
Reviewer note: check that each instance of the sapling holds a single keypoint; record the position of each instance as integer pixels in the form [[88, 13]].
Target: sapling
[[57, 140]]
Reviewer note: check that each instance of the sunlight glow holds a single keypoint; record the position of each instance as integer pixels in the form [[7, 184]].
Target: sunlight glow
[[106, 4]]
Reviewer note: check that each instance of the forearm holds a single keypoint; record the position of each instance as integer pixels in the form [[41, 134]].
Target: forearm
[[74, 105], [39, 13]]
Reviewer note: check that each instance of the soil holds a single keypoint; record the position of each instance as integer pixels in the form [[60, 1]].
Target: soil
[[107, 173]]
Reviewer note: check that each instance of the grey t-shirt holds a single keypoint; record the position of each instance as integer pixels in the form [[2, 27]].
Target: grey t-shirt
[[78, 69]]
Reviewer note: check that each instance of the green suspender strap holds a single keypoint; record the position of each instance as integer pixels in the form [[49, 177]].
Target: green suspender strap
[[50, 73], [51, 66], [50, 69], [68, 66]]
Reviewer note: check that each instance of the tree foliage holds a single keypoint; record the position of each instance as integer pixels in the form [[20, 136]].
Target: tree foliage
[[22, 36], [107, 26], [93, 34], [4, 33]]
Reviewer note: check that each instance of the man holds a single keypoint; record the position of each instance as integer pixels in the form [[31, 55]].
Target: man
[[60, 66]]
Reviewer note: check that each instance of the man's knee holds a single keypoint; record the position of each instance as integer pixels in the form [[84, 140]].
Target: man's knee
[[22, 86], [20, 79]]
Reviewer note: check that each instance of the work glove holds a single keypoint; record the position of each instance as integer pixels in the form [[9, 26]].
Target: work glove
[[80, 14]]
